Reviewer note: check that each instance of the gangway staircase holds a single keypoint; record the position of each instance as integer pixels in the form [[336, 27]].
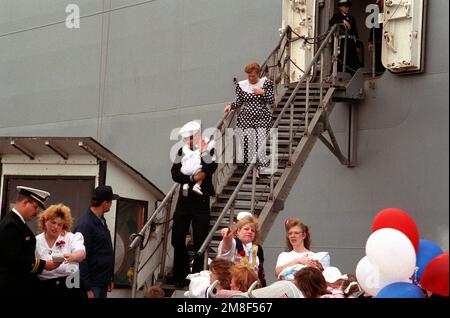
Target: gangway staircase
[[300, 118]]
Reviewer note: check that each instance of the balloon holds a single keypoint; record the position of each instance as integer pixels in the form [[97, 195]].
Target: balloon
[[392, 252], [370, 278], [401, 290], [400, 220], [435, 276], [427, 251]]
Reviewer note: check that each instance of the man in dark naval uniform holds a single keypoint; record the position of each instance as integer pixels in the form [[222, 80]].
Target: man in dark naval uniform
[[191, 206], [347, 23], [18, 265]]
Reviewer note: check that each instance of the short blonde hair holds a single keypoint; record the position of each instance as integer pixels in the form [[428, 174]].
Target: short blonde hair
[[56, 211], [250, 219]]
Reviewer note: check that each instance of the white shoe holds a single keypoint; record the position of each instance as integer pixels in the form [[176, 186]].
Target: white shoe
[[196, 188], [185, 190], [265, 171]]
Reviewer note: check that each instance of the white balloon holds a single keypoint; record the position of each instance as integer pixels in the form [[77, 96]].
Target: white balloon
[[392, 252], [370, 278]]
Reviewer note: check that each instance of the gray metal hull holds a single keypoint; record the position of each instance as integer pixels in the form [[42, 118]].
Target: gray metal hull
[[130, 76]]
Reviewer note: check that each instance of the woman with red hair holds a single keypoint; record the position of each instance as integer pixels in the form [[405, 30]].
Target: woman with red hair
[[253, 96]]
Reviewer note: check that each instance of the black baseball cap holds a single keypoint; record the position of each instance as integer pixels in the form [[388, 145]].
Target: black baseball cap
[[104, 193]]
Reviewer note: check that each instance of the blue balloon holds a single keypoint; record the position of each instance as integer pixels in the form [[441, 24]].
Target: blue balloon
[[427, 251], [401, 290]]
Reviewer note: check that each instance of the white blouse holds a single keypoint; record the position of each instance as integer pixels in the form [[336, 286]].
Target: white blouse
[[247, 87], [232, 255], [286, 257], [67, 243]]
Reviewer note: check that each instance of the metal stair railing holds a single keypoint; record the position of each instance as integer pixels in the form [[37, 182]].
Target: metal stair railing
[[288, 104], [140, 241]]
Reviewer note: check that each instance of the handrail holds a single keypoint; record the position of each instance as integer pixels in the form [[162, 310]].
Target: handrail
[[275, 125], [137, 238], [304, 76], [283, 34]]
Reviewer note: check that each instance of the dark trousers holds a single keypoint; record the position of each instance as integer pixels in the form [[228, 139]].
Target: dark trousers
[[192, 209], [57, 288], [352, 59]]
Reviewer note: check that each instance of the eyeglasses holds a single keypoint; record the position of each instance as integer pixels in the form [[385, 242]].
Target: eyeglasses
[[294, 233]]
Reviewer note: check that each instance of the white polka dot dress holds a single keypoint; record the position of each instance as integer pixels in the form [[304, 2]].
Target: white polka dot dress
[[254, 119]]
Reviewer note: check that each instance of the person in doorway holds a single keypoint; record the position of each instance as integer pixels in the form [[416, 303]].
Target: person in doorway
[[253, 96], [18, 264], [192, 208], [97, 269], [348, 34]]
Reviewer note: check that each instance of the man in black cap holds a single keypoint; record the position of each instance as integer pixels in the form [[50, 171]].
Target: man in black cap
[[97, 269], [347, 24], [18, 265]]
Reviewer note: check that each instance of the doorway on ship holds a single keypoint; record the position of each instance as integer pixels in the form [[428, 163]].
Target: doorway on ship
[[130, 217], [363, 12]]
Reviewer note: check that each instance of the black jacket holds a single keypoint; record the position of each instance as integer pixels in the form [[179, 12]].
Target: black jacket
[[209, 166], [338, 18], [18, 264], [97, 269]]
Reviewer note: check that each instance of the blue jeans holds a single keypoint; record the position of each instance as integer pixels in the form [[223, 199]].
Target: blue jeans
[[100, 292]]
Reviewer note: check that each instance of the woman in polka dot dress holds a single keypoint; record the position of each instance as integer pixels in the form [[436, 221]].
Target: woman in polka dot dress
[[253, 96]]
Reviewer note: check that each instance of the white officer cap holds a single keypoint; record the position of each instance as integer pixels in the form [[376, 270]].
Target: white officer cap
[[189, 129], [342, 2], [40, 196]]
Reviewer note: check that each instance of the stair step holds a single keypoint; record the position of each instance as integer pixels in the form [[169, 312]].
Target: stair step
[[241, 197], [246, 188], [240, 173], [302, 96], [284, 124], [259, 183], [297, 112]]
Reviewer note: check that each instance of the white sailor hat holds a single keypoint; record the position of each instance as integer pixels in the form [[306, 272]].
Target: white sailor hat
[[332, 274], [189, 129], [242, 215], [344, 2], [40, 196]]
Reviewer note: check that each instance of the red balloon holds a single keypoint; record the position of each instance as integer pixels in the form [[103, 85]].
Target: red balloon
[[399, 220], [435, 276]]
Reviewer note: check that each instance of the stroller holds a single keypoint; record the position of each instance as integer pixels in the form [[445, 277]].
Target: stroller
[[279, 289]]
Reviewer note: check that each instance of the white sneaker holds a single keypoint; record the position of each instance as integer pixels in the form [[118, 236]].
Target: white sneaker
[[185, 190], [196, 188]]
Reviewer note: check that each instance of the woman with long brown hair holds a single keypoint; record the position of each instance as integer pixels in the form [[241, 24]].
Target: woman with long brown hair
[[298, 254]]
